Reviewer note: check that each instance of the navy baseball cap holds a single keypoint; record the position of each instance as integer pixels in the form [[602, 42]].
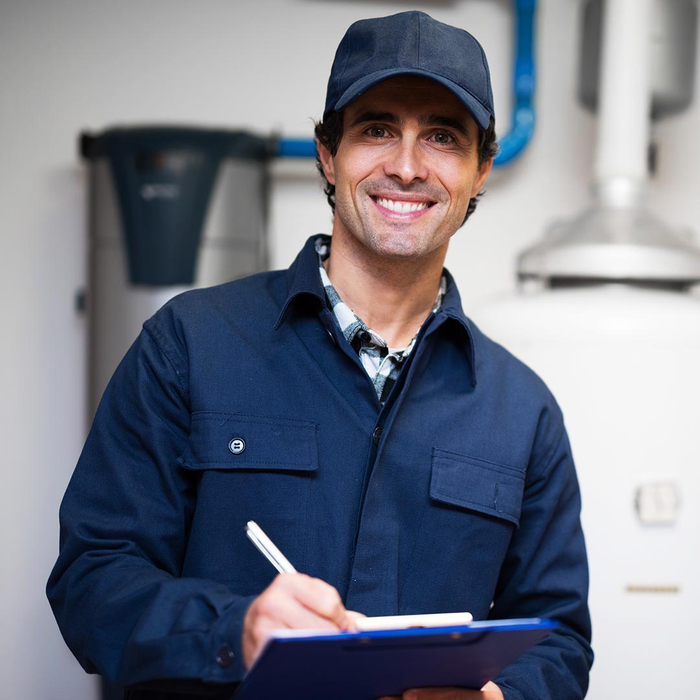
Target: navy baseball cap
[[411, 43]]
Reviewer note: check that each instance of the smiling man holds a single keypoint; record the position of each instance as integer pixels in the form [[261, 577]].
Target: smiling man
[[403, 175], [399, 458]]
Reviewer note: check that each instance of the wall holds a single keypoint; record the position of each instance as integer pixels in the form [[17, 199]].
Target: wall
[[70, 65]]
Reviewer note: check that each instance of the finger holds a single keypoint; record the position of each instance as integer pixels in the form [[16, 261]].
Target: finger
[[492, 691], [279, 607], [276, 608], [349, 624], [316, 595], [292, 601], [297, 616]]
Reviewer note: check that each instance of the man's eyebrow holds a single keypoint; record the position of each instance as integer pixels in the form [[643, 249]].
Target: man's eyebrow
[[364, 117]]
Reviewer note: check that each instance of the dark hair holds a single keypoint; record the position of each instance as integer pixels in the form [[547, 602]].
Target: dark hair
[[330, 131]]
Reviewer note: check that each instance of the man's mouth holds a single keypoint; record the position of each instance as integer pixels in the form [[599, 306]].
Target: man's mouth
[[402, 206]]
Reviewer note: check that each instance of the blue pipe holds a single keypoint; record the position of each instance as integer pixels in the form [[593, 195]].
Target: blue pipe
[[512, 144], [296, 148]]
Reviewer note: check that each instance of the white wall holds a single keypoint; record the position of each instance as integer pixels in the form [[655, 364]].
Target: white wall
[[68, 65]]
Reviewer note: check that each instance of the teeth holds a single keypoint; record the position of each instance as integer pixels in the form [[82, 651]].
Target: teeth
[[401, 207]]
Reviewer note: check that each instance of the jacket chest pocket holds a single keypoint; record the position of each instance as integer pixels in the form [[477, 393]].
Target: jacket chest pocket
[[248, 468], [477, 485], [234, 441], [472, 512]]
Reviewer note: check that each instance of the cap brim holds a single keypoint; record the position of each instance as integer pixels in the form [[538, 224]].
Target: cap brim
[[481, 114]]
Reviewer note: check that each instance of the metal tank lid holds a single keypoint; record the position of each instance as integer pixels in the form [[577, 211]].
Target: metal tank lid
[[238, 143], [613, 243]]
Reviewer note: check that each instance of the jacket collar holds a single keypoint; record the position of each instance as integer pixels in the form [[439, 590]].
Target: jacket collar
[[451, 308], [304, 284], [303, 280]]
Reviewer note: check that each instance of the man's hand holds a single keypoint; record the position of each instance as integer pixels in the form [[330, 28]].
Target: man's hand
[[295, 601], [489, 692]]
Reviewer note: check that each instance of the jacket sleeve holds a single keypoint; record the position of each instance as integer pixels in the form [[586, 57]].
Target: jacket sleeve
[[116, 589], [545, 574]]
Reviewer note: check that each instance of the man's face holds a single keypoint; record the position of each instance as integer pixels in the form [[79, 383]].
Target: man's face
[[405, 169]]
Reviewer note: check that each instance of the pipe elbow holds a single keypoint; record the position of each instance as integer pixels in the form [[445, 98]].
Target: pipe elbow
[[515, 141]]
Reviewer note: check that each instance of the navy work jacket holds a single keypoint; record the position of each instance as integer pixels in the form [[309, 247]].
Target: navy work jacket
[[458, 494]]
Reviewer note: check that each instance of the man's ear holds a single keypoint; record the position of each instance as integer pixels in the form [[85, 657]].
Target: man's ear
[[326, 162], [482, 173]]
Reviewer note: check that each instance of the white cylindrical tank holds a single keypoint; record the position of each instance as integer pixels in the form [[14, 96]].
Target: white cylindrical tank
[[624, 364]]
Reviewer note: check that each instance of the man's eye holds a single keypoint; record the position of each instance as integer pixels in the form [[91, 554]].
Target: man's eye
[[377, 132], [442, 137]]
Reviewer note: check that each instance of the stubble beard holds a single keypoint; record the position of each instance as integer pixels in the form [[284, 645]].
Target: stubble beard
[[385, 238]]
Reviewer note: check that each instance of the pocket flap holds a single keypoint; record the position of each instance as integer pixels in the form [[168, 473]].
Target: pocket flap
[[241, 441], [477, 484]]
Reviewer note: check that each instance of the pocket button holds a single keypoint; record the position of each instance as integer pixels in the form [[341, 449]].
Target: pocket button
[[237, 445]]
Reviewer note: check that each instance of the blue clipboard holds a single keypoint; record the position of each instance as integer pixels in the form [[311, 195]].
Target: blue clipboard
[[367, 665]]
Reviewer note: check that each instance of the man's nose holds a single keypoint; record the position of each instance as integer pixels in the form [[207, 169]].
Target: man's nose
[[406, 162]]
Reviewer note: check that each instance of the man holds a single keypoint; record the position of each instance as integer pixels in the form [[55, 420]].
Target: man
[[400, 459]]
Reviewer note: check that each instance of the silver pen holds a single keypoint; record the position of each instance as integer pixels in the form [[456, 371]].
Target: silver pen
[[268, 548]]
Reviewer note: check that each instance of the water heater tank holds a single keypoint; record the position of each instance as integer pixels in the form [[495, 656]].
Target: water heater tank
[[170, 209], [624, 364]]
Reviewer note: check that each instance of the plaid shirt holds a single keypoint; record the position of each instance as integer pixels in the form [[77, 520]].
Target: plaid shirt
[[381, 362]]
